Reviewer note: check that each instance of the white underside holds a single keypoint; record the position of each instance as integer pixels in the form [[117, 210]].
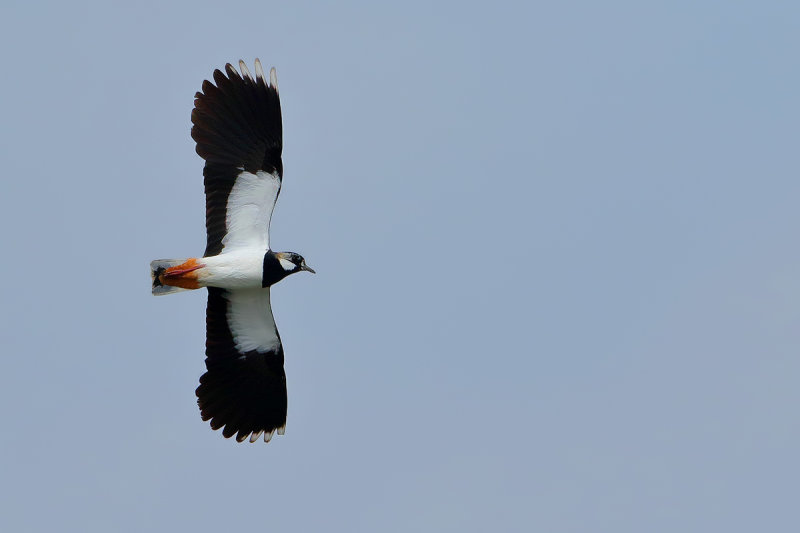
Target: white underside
[[249, 312], [239, 268], [242, 269], [250, 320]]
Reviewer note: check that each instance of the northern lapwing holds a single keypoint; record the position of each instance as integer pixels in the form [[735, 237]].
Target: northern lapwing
[[238, 130]]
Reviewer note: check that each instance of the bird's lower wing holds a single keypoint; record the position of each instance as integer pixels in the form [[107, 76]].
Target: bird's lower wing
[[244, 390]]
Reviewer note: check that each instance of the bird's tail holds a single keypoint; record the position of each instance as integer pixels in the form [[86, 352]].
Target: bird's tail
[[173, 275]]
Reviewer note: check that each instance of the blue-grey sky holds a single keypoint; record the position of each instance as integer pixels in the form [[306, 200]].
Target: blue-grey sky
[[558, 268]]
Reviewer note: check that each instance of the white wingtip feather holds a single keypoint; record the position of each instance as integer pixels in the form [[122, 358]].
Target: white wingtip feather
[[245, 72], [259, 71], [282, 429], [254, 436], [273, 78], [268, 435]]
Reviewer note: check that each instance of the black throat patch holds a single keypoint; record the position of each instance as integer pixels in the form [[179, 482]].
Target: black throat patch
[[273, 270]]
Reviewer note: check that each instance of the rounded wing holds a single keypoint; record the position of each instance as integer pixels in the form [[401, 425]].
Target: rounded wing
[[244, 390], [237, 127]]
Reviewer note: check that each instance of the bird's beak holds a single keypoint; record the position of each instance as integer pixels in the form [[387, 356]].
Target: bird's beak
[[307, 268]]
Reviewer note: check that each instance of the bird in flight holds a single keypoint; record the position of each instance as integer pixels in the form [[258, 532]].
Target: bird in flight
[[238, 130]]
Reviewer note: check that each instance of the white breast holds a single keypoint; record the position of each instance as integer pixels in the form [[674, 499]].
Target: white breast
[[235, 270]]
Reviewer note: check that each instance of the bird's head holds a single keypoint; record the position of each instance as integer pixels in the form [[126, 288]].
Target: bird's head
[[292, 262]]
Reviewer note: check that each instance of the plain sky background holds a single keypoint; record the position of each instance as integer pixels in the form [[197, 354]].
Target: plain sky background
[[558, 267]]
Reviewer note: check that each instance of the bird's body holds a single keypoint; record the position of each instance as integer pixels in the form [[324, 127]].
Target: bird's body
[[237, 127]]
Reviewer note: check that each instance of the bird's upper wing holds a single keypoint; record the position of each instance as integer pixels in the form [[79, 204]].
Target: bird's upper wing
[[244, 389], [238, 131]]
